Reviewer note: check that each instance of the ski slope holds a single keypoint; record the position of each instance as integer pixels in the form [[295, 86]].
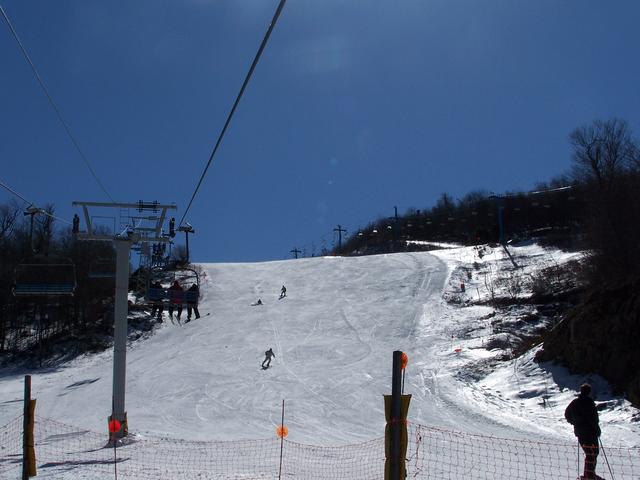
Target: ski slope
[[333, 337]]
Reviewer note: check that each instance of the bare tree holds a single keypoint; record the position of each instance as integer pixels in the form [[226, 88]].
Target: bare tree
[[605, 160], [635, 157], [179, 255], [8, 217], [445, 203], [602, 151]]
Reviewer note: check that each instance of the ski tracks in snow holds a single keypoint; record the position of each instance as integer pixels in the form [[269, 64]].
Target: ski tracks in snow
[[282, 362], [425, 333], [424, 289], [343, 315]]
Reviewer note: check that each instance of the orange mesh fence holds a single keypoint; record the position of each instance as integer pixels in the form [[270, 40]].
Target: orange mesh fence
[[64, 452], [11, 447], [443, 454]]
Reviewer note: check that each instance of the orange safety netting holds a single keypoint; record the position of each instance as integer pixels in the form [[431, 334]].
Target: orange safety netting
[[65, 451]]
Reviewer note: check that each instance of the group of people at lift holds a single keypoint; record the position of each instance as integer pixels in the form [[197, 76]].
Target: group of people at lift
[[177, 297]]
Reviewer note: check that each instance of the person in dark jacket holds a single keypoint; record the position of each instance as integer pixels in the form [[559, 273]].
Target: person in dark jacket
[[156, 293], [283, 292], [176, 293], [583, 415], [192, 301], [267, 358]]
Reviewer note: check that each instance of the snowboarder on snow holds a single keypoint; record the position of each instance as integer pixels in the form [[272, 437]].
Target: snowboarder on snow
[[583, 415], [267, 358], [259, 302], [283, 292]]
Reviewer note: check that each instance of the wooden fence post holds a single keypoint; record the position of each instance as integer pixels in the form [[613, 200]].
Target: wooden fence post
[[28, 421]]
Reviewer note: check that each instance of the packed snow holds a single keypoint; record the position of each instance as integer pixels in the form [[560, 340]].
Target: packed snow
[[333, 336]]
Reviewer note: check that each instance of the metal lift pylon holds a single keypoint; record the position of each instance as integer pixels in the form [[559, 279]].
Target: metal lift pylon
[[122, 242]]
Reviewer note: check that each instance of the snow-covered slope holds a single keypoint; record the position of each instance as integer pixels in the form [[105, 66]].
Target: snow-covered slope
[[333, 336]]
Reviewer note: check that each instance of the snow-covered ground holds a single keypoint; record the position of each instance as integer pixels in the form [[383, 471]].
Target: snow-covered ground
[[520, 390], [333, 337]]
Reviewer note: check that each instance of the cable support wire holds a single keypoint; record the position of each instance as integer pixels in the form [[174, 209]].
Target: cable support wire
[[235, 104], [9, 189], [53, 104]]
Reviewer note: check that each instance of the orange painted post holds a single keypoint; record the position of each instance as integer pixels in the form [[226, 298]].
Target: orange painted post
[[396, 408], [282, 432], [25, 427], [396, 414], [404, 360], [28, 424]]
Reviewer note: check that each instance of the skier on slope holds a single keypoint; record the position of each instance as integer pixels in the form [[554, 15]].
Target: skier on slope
[[267, 358], [283, 292], [583, 415]]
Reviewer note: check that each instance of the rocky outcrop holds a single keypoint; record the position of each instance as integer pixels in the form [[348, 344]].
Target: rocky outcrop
[[602, 335]]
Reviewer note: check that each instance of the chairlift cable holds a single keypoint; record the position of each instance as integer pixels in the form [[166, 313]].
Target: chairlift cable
[[235, 104], [8, 188], [53, 104], [44, 212]]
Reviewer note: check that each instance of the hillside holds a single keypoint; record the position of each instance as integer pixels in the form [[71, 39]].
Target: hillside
[[601, 335], [333, 336]]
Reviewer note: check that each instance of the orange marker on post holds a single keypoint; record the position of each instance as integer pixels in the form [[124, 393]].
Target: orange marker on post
[[114, 426]]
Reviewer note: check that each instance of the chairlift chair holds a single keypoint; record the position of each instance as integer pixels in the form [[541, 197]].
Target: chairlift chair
[[191, 296], [45, 280], [154, 295], [105, 269], [158, 295]]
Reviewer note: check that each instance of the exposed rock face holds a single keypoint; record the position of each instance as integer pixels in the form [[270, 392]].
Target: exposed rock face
[[602, 335]]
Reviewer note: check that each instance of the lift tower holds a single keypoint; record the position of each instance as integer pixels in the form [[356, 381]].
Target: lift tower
[[146, 229]]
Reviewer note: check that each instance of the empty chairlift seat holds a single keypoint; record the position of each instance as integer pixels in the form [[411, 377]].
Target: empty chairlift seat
[[44, 279], [102, 269]]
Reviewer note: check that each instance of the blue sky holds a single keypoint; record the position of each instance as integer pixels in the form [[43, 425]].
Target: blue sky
[[355, 107]]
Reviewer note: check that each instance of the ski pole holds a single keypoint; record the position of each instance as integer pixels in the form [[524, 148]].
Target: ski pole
[[605, 458], [578, 459]]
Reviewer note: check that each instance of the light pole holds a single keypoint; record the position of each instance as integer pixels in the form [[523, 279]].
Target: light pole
[[340, 231]]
